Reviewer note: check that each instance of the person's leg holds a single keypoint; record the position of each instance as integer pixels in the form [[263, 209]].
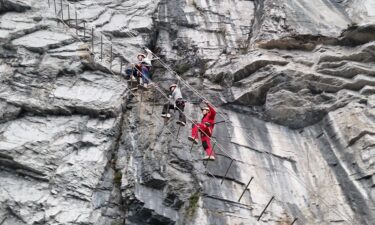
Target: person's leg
[[139, 79], [180, 107], [133, 85], [135, 72], [194, 134], [167, 107], [128, 73], [145, 75], [206, 143], [129, 76], [149, 72], [203, 129]]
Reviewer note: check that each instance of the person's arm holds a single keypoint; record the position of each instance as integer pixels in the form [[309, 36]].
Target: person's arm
[[149, 54], [178, 93], [212, 112], [172, 94]]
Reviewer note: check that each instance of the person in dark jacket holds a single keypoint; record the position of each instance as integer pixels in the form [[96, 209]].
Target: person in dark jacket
[[205, 127], [177, 103]]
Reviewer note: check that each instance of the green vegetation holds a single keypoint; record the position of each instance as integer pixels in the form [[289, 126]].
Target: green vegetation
[[193, 203], [116, 223]]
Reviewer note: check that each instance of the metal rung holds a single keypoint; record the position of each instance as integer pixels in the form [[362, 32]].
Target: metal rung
[[225, 175], [268, 204], [245, 188], [294, 221], [192, 145], [212, 151], [178, 132]]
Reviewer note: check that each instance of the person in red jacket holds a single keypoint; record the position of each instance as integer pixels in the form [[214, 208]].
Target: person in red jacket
[[206, 128]]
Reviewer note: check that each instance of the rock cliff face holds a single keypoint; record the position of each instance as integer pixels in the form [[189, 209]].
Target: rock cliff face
[[293, 80]]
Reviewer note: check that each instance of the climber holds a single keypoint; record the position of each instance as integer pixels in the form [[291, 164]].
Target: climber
[[176, 103], [146, 65], [206, 128]]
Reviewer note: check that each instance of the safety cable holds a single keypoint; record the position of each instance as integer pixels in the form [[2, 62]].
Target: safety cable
[[231, 157], [180, 79], [206, 170], [219, 146], [181, 142], [143, 103], [288, 171], [176, 138], [184, 143], [165, 96]]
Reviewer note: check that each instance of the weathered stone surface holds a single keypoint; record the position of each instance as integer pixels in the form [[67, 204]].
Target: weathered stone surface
[[15, 25], [293, 82], [8, 112], [40, 40], [14, 5], [73, 155]]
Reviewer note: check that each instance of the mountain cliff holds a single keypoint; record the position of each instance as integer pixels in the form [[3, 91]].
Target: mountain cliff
[[294, 86]]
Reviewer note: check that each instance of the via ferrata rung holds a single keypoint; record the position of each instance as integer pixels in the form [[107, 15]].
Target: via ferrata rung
[[226, 172], [268, 204], [251, 179]]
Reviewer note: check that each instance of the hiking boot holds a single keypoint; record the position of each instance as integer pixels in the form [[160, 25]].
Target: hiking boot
[[195, 140], [134, 89], [206, 157], [164, 115], [181, 123], [168, 115], [212, 158]]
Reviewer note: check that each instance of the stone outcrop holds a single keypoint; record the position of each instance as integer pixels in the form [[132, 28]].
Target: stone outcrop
[[293, 81], [14, 5]]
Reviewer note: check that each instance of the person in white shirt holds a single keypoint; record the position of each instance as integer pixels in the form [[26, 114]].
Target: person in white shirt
[[177, 102], [146, 66]]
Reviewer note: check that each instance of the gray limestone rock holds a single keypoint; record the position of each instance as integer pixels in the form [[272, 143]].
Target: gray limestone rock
[[8, 111], [293, 83], [14, 5]]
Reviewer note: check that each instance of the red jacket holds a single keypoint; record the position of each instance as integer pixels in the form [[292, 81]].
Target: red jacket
[[210, 118]]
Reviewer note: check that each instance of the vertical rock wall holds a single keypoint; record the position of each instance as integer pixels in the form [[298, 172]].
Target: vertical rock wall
[[293, 81]]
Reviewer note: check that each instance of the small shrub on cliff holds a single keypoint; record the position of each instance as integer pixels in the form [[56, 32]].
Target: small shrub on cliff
[[193, 203], [116, 223]]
